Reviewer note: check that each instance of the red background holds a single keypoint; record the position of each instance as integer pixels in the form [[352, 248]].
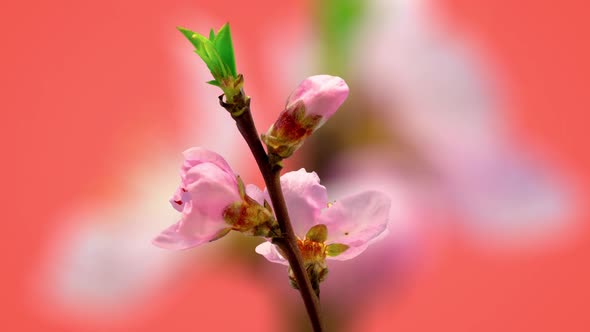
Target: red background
[[87, 88]]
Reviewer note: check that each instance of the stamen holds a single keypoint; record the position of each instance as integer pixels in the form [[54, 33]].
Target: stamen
[[311, 250]]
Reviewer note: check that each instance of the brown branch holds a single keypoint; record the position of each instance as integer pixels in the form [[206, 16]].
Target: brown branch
[[271, 174]]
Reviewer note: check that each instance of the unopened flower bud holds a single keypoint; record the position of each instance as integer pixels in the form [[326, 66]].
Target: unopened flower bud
[[312, 103]]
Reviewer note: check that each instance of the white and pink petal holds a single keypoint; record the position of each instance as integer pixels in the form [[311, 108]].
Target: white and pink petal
[[321, 94], [255, 193], [270, 252], [211, 189], [191, 231], [179, 199], [356, 221], [199, 155], [305, 198]]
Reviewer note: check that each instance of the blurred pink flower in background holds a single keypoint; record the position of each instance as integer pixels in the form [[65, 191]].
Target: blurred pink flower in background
[[438, 93], [99, 265]]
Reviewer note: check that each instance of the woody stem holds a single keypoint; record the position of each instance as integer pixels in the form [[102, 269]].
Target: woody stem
[[271, 173]]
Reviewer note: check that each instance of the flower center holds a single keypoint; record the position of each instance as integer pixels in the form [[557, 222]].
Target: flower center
[[311, 250]]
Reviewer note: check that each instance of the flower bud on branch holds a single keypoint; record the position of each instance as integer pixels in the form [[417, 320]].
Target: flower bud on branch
[[312, 103]]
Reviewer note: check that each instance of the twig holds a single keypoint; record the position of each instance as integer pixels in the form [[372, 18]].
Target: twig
[[271, 174]]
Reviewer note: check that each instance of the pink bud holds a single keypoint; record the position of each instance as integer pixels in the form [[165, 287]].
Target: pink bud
[[321, 95], [313, 102]]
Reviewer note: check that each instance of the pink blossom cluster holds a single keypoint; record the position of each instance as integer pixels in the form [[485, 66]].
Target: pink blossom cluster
[[340, 230]]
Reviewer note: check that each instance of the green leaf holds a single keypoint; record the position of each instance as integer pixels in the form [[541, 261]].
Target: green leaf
[[224, 46], [191, 36], [211, 58], [318, 233], [218, 54], [336, 249]]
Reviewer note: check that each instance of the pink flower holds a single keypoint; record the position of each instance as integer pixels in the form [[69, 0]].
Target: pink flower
[[312, 103], [351, 223], [208, 187]]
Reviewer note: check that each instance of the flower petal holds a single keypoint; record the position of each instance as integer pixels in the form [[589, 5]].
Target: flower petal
[[192, 230], [305, 198], [270, 252], [255, 193], [356, 220], [510, 197], [180, 197], [211, 189], [321, 94], [199, 155]]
